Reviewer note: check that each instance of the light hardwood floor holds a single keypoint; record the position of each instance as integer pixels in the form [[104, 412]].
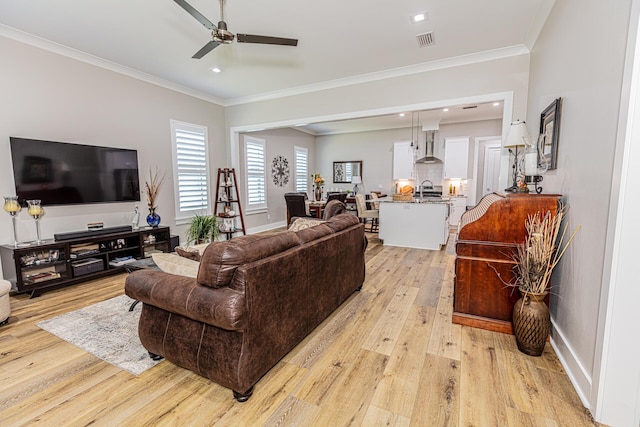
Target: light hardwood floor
[[389, 356]]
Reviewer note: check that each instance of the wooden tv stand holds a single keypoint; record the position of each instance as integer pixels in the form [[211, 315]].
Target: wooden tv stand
[[81, 256]]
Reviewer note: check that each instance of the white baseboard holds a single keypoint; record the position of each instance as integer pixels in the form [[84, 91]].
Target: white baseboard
[[266, 227], [578, 375]]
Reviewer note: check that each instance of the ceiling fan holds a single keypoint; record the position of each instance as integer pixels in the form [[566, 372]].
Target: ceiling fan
[[221, 35]]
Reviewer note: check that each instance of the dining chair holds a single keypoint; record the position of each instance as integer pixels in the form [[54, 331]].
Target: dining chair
[[367, 214], [295, 206], [337, 195], [372, 202]]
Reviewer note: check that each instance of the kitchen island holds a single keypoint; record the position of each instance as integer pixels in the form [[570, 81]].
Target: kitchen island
[[421, 224]]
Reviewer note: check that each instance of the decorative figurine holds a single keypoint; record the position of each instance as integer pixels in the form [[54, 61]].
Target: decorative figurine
[[136, 219]]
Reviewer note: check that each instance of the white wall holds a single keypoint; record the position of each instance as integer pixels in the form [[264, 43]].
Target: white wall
[[473, 130], [375, 149], [278, 142], [435, 87], [586, 71], [51, 97]]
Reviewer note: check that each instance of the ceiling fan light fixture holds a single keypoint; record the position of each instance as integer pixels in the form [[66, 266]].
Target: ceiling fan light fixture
[[221, 35]]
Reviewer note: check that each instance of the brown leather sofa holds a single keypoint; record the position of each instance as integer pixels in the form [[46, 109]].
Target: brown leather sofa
[[254, 299]]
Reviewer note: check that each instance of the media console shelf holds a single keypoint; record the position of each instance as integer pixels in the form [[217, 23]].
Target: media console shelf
[[78, 257]]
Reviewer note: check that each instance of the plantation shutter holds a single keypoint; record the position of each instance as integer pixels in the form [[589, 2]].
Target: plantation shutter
[[191, 169], [256, 169], [302, 169]]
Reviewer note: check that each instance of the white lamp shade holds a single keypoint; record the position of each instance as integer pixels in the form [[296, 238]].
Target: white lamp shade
[[517, 134], [356, 179]]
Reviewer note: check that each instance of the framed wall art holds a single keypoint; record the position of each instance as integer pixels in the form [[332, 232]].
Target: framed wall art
[[280, 171], [344, 171], [549, 135]]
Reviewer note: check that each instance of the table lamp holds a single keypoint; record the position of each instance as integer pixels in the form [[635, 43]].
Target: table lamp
[[36, 211], [12, 206], [516, 138], [356, 180], [532, 170]]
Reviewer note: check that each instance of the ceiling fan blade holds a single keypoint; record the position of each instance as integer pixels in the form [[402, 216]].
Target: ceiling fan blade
[[193, 12], [251, 38], [205, 49]]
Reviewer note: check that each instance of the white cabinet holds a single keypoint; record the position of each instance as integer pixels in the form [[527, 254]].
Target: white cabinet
[[458, 207], [402, 160], [456, 158]]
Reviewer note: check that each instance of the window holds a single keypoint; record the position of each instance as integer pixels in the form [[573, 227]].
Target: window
[[256, 173], [301, 169], [191, 169]]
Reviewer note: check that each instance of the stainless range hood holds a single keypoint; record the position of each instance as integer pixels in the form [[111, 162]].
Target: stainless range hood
[[429, 144]]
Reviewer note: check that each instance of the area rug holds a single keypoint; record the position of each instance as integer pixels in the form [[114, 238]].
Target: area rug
[[107, 330]]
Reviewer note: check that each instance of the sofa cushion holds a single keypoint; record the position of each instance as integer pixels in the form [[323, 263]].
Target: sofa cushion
[[174, 264], [312, 233], [188, 253], [333, 208], [192, 252], [221, 259], [302, 223], [342, 221]]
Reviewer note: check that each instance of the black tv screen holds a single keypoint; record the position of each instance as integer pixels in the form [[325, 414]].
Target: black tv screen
[[60, 173]]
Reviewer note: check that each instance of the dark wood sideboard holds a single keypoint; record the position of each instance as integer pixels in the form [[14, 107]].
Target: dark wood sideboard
[[487, 238]]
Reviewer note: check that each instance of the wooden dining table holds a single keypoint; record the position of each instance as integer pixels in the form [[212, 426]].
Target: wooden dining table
[[315, 207]]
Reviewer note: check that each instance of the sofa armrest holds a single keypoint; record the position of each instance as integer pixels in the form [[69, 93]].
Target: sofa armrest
[[222, 307]]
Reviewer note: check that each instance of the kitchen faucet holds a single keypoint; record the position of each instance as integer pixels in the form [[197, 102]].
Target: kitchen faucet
[[422, 188]]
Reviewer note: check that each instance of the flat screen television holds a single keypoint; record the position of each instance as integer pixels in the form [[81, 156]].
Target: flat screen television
[[60, 173]]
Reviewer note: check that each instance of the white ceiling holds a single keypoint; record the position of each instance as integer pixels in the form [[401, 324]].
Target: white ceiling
[[425, 119], [340, 41]]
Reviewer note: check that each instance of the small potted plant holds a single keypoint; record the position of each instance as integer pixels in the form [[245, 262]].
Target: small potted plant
[[203, 229]]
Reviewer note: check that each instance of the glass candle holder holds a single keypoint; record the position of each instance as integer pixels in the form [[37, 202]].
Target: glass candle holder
[[35, 210], [12, 206]]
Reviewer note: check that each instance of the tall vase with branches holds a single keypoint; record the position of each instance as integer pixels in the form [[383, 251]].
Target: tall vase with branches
[[152, 187], [535, 260]]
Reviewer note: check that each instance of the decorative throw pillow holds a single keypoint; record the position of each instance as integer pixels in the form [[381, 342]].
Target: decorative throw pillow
[[302, 223], [189, 253], [174, 264]]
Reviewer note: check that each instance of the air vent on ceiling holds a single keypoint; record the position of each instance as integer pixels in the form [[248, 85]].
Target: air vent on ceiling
[[469, 107], [425, 39]]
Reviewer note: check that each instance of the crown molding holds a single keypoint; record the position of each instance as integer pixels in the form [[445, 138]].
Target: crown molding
[[59, 49]]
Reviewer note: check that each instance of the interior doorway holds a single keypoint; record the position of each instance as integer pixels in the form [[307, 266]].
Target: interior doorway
[[487, 161], [491, 168]]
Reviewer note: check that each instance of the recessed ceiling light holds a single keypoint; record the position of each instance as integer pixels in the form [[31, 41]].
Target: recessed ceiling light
[[445, 109], [495, 104], [401, 114], [216, 70], [419, 17]]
